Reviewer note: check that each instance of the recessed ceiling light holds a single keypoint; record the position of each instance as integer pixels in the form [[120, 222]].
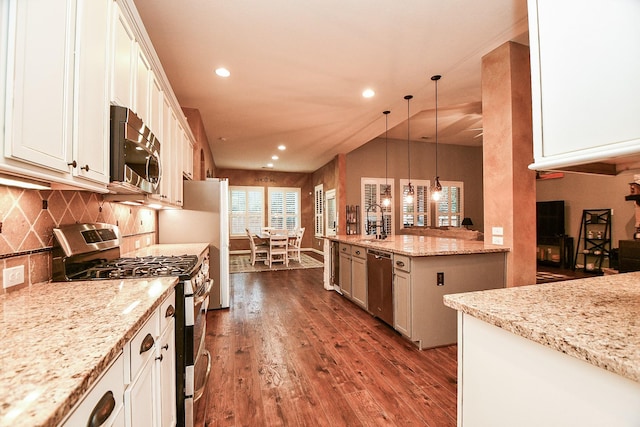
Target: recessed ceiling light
[[274, 157], [223, 72], [269, 165], [368, 93], [281, 147]]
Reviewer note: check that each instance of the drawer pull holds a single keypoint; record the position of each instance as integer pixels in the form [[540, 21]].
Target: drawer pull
[[165, 347], [147, 343], [159, 358], [400, 263], [170, 311], [102, 410], [357, 252]]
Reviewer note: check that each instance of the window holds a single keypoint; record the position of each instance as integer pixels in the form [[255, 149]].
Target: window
[[331, 214], [450, 209], [319, 208], [246, 210], [284, 208], [416, 213], [373, 215]]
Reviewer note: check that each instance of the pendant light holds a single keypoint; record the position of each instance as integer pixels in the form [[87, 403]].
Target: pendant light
[[408, 195], [386, 194], [436, 190]]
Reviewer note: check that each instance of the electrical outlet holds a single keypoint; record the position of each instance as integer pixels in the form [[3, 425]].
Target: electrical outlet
[[137, 244], [13, 276], [497, 240], [440, 278], [148, 241]]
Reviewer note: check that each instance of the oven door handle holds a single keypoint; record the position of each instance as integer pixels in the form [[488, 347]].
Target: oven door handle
[[200, 391], [201, 297]]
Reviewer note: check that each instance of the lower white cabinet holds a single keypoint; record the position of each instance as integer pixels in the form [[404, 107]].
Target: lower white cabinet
[[140, 397], [359, 276], [103, 404], [402, 294], [345, 273], [166, 366]]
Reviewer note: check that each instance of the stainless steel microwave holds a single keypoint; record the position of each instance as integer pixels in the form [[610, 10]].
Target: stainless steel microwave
[[135, 154]]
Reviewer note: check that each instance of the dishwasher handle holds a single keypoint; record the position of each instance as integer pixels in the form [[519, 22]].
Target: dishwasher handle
[[379, 254]]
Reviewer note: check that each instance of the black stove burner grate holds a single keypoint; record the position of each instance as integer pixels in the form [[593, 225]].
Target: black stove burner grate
[[149, 266]]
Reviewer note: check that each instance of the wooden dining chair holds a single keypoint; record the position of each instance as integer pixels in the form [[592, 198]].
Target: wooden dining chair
[[259, 252], [278, 244], [295, 243]]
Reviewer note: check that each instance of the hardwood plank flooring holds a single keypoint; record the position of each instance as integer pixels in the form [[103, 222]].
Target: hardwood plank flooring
[[289, 353]]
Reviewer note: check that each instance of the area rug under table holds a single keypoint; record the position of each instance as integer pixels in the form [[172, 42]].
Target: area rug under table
[[242, 264]]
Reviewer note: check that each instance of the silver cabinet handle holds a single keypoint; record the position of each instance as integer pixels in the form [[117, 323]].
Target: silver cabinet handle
[[400, 263], [102, 410], [147, 343]]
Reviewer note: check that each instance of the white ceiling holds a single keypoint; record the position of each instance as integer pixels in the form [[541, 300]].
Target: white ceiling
[[298, 69]]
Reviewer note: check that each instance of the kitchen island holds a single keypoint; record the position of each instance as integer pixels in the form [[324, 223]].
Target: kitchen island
[[424, 268], [556, 354]]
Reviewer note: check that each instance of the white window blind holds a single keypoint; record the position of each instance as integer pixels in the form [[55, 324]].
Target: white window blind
[[246, 210], [284, 208], [331, 213], [319, 210], [415, 213], [450, 207], [371, 188]]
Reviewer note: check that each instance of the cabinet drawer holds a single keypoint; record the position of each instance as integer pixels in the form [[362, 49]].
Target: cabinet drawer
[[143, 344], [107, 393], [402, 262], [345, 249], [359, 251], [167, 311]]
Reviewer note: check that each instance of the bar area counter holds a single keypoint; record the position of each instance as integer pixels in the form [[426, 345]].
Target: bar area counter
[[555, 354], [412, 273]]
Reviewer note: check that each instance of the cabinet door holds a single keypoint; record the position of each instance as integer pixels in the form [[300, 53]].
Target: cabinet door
[[155, 108], [4, 34], [345, 274], [578, 69], [140, 398], [359, 281], [91, 112], [187, 156], [402, 302], [166, 359], [178, 153], [166, 154], [141, 100], [40, 82], [122, 51]]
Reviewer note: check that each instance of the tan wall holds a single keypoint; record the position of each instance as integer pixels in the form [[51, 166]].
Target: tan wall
[[203, 164], [268, 179], [455, 163], [26, 235], [329, 176]]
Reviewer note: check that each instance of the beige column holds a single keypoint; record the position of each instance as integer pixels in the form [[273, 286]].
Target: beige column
[[508, 185]]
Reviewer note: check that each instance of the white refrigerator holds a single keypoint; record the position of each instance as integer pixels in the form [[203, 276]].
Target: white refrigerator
[[203, 218]]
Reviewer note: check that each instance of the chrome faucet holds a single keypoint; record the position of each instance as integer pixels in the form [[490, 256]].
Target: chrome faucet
[[382, 235]]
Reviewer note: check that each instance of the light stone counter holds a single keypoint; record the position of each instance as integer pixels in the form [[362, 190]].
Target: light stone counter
[[596, 320], [57, 338], [419, 246], [173, 249]]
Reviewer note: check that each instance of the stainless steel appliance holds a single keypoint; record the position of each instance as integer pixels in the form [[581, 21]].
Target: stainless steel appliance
[[380, 285], [135, 154], [204, 217], [92, 252]]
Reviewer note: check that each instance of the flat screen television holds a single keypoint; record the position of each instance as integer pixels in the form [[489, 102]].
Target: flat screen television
[[550, 218]]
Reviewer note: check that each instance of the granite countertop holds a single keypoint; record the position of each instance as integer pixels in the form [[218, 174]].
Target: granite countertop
[[172, 249], [595, 319], [421, 245], [58, 338]]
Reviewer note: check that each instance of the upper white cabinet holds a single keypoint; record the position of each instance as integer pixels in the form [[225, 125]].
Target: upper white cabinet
[[585, 85], [55, 118], [123, 50], [141, 99]]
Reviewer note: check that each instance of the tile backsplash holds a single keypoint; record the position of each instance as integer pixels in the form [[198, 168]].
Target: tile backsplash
[[27, 219]]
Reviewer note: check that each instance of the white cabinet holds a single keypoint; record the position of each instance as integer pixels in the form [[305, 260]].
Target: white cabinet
[[585, 86], [123, 49], [56, 80], [187, 156], [359, 276], [141, 98], [104, 402], [156, 102], [91, 106], [402, 294], [4, 34], [166, 365]]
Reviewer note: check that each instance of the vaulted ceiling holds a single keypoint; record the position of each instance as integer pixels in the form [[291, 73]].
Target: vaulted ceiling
[[298, 70]]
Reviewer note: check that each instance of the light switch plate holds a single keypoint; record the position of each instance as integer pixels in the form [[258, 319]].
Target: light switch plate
[[497, 231], [13, 276], [497, 240]]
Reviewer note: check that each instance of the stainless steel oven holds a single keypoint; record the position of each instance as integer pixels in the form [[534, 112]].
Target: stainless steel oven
[[92, 252]]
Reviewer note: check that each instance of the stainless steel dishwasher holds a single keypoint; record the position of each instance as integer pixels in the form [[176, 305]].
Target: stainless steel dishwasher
[[380, 285]]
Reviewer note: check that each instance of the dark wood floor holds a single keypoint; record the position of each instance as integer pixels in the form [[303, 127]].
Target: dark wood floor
[[290, 353]]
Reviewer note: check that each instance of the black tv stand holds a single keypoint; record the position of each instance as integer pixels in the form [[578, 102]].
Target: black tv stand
[[556, 251]]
